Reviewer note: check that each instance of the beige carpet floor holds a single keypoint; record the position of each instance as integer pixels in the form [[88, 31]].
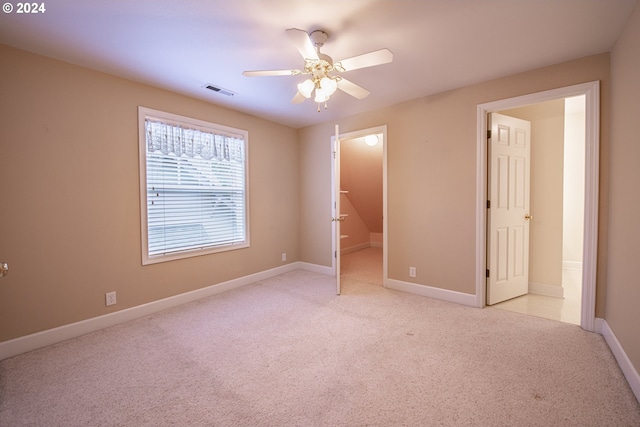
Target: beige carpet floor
[[288, 352]]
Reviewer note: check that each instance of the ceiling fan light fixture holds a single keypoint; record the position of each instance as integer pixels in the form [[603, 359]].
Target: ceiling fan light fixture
[[328, 85], [321, 96], [306, 87], [319, 66]]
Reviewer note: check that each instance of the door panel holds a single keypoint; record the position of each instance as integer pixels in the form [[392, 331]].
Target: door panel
[[502, 190], [508, 228], [501, 242], [520, 182], [337, 218], [519, 262]]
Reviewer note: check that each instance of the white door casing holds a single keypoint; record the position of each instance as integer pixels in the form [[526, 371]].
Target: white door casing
[[337, 216], [508, 214], [591, 90], [335, 196]]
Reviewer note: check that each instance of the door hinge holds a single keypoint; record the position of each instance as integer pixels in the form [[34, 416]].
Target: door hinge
[[488, 204], [487, 272], [489, 134], [335, 254]]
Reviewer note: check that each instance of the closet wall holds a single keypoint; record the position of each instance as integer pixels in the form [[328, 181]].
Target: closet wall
[[361, 178]]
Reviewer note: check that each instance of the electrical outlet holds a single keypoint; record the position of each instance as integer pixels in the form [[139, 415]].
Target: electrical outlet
[[284, 256], [110, 298], [412, 272]]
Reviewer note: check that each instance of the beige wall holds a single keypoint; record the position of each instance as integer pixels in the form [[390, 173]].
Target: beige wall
[[623, 280], [431, 151], [315, 197], [70, 207], [361, 175], [574, 181], [547, 142]]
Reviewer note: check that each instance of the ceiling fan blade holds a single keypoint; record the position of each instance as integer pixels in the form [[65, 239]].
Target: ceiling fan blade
[[271, 73], [298, 98], [303, 43], [352, 89], [378, 57]]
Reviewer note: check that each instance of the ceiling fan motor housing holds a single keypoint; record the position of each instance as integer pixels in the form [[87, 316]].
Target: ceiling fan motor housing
[[318, 38], [324, 65]]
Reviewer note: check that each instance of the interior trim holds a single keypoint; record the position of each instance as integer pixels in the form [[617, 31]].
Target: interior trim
[[382, 129], [432, 292], [591, 91], [630, 373], [51, 336], [546, 289]]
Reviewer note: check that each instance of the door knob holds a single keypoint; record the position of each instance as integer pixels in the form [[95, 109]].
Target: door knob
[[4, 269], [528, 217]]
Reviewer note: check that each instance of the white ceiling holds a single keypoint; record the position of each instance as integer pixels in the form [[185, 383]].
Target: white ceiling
[[438, 45]]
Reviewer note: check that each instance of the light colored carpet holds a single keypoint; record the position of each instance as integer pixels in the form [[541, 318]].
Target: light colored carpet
[[288, 352]]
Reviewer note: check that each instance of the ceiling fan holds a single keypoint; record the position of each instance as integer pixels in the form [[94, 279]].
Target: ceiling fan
[[322, 70]]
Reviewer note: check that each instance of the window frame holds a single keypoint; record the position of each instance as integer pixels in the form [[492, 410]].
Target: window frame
[[174, 119]]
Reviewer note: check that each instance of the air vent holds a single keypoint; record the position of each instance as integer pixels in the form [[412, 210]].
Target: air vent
[[219, 89]]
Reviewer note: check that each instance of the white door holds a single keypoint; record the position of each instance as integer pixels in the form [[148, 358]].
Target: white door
[[508, 208], [337, 218]]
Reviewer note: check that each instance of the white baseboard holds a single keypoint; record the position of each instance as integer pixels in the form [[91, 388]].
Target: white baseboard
[[629, 371], [431, 292], [355, 248], [315, 268], [51, 336], [546, 289]]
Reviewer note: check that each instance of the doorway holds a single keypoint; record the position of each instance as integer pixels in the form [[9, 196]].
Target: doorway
[[591, 178], [359, 188], [552, 284]]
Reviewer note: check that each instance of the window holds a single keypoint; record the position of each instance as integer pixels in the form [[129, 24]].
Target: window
[[193, 186]]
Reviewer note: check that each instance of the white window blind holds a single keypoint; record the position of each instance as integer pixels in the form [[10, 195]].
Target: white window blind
[[195, 188]]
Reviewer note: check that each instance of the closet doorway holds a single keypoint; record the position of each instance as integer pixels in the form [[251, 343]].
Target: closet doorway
[[361, 171]]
